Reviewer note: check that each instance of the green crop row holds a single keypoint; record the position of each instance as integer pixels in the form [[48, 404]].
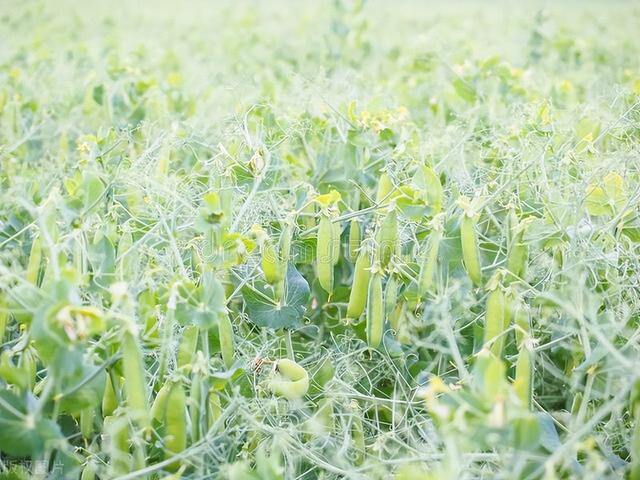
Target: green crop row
[[291, 240]]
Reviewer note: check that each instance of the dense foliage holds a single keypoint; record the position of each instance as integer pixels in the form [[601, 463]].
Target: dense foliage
[[269, 240]]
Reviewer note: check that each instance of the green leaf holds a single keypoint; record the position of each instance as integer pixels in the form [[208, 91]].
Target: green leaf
[[11, 373], [93, 189], [211, 214], [587, 129], [428, 183], [526, 432], [268, 312], [21, 433], [201, 305], [83, 386], [98, 94], [464, 90], [357, 138], [549, 438], [607, 198], [102, 256], [490, 375], [220, 379], [137, 115]]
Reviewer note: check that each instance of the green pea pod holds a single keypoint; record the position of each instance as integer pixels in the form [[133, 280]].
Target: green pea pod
[[322, 375], [225, 334], [167, 336], [324, 416], [431, 181], [518, 254], [404, 334], [215, 408], [336, 232], [175, 439], [324, 254], [396, 316], [359, 286], [28, 364], [88, 471], [139, 455], [147, 312], [635, 449], [576, 403], [4, 315], [390, 295], [429, 262], [159, 404], [523, 381], [375, 311], [355, 238], [517, 259], [86, 422], [285, 246], [291, 380], [135, 384], [634, 400], [322, 422], [385, 187], [188, 345], [195, 404], [521, 320], [470, 251], [35, 259], [387, 238], [271, 265], [269, 462], [127, 257], [116, 430], [357, 432], [306, 220], [109, 400], [635, 435], [496, 320]]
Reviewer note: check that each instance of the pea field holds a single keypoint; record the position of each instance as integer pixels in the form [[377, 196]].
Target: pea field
[[346, 239]]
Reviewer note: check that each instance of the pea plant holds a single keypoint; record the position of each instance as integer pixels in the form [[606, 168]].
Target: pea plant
[[282, 240]]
